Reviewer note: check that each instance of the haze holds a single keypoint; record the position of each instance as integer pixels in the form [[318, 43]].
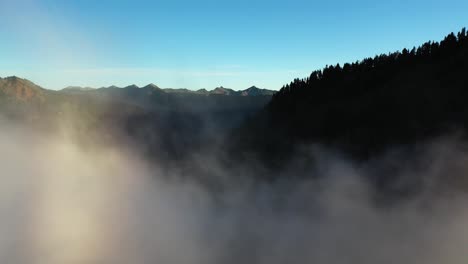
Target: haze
[[233, 132]]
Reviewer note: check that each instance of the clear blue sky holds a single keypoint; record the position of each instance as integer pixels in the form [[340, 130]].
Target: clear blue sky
[[204, 44]]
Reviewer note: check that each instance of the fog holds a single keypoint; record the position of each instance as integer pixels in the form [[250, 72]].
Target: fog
[[61, 202]]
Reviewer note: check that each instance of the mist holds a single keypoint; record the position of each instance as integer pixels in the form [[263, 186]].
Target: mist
[[64, 203]]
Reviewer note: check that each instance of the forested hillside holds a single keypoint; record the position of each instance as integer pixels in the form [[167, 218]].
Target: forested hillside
[[366, 107]]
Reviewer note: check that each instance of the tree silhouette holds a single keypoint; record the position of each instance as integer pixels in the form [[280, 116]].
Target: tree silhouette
[[367, 106]]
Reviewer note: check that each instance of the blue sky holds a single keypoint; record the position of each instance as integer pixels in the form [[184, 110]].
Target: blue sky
[[204, 44]]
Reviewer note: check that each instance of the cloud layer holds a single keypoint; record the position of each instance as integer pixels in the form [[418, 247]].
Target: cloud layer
[[62, 203]]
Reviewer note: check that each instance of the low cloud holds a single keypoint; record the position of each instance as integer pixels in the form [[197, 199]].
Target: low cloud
[[65, 203]]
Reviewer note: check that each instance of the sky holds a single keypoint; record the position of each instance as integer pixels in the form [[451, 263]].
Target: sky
[[208, 43]]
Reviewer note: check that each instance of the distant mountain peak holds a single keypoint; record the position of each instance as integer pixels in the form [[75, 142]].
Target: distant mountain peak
[[223, 88], [151, 86], [133, 86], [20, 89], [14, 79], [77, 89], [255, 91], [222, 91]]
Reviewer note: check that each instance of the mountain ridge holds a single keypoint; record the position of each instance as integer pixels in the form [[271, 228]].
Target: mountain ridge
[[20, 89], [366, 107], [251, 91]]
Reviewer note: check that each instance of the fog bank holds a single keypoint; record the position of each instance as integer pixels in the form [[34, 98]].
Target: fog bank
[[62, 203]]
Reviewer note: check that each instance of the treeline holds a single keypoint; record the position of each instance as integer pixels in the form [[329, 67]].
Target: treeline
[[363, 108]]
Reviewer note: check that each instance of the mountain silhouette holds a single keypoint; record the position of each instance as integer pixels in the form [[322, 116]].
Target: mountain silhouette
[[366, 107], [251, 91]]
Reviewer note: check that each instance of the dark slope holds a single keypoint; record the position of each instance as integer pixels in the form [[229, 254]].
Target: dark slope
[[366, 107]]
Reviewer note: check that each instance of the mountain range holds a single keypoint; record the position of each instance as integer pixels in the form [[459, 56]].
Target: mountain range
[[149, 97], [183, 119], [251, 91]]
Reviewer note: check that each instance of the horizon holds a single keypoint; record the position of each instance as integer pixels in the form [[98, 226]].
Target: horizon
[[206, 44], [138, 86]]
